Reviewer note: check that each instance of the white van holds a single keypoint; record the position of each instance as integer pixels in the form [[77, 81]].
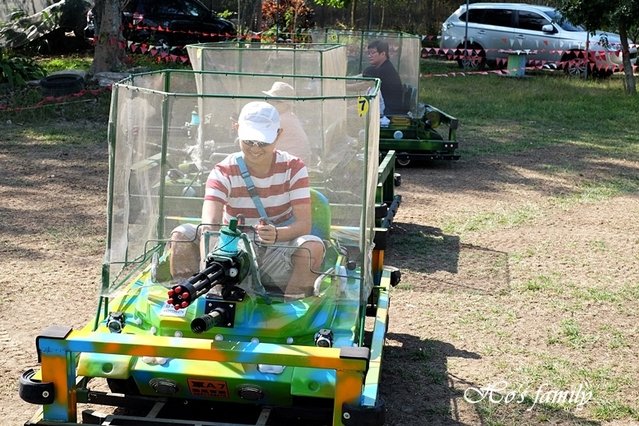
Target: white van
[[490, 30]]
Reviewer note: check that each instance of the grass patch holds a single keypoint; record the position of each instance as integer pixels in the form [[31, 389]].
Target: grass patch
[[625, 293], [61, 63], [27, 104], [596, 191], [611, 410], [616, 338], [569, 333], [89, 245], [573, 334], [502, 116], [563, 375], [63, 136], [543, 283], [54, 135], [486, 221], [525, 412], [434, 65], [27, 108], [404, 286]]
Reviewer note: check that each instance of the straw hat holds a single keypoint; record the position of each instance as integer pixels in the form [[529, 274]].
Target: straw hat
[[280, 88]]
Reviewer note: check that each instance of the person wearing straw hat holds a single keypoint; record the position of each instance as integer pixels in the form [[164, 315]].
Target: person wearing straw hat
[[293, 139]]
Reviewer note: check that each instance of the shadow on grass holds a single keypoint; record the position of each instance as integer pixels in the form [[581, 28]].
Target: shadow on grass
[[439, 258], [423, 248], [416, 385], [523, 132], [551, 171], [418, 389], [68, 177]]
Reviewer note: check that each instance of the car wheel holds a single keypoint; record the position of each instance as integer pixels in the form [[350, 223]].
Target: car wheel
[[574, 65], [61, 84], [475, 59], [162, 44], [601, 73], [403, 159]]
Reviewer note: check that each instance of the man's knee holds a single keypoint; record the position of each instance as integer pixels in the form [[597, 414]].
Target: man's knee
[[311, 253], [184, 253]]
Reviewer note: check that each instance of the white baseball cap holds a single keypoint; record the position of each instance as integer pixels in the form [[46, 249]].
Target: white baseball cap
[[280, 88], [258, 121]]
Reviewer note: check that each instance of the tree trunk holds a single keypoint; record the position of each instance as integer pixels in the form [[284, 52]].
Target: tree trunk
[[631, 86], [353, 12], [252, 11], [109, 52]]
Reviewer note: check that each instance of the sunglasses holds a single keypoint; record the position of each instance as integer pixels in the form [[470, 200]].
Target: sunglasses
[[256, 143]]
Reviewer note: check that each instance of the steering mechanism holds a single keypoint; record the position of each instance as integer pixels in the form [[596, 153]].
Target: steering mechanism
[[227, 265]]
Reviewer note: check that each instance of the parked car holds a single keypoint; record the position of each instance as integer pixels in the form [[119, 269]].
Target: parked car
[[489, 30], [170, 23]]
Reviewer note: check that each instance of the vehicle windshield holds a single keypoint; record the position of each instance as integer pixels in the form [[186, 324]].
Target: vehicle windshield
[[563, 22], [270, 58], [169, 129], [404, 50], [334, 52]]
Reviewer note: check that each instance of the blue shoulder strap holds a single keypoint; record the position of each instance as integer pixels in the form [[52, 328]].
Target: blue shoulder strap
[[250, 187]]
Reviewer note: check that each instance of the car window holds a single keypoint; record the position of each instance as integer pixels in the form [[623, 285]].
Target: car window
[[498, 17], [140, 6], [180, 7], [531, 21], [563, 22]]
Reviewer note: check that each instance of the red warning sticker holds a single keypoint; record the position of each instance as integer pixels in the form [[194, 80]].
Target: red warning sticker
[[208, 388]]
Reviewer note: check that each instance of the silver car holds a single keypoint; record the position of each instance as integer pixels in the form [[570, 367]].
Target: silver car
[[488, 32]]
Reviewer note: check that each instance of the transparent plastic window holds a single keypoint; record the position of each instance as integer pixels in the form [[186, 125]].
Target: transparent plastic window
[[169, 129], [298, 59], [404, 50]]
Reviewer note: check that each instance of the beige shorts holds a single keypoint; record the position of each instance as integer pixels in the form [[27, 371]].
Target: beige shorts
[[275, 261]]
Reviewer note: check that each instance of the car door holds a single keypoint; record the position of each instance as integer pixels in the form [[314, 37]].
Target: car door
[[529, 30], [196, 18], [180, 15], [492, 29]]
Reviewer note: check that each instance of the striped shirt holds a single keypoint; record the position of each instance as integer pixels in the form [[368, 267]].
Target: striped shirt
[[286, 186]]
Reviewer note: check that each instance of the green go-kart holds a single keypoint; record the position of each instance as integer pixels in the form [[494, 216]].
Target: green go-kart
[[223, 346], [422, 132]]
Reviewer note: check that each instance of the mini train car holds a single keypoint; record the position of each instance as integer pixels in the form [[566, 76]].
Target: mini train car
[[417, 131], [222, 346]]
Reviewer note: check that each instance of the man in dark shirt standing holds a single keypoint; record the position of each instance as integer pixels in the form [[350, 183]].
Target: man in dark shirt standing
[[382, 68]]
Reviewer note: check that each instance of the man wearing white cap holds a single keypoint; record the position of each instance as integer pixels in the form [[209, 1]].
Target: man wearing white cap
[[293, 138], [278, 208]]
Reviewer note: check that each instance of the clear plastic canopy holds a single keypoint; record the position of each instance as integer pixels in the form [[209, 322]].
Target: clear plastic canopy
[[169, 128], [270, 58], [404, 50]]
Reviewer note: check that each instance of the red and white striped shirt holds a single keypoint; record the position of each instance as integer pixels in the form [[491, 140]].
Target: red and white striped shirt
[[286, 185]]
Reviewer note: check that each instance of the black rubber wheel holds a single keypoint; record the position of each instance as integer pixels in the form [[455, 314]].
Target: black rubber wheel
[[574, 65], [403, 159], [61, 84], [473, 59]]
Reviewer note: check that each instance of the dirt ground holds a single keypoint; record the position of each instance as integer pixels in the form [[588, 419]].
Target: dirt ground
[[478, 305]]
